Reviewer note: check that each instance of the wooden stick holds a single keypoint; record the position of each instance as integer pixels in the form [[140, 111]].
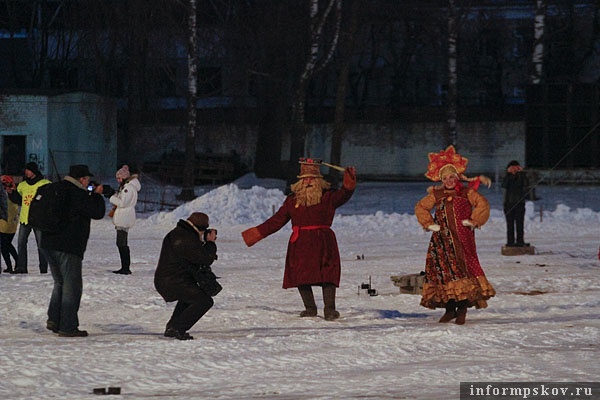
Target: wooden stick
[[336, 167]]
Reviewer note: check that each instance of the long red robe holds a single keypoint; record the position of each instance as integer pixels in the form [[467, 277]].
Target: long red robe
[[312, 257]]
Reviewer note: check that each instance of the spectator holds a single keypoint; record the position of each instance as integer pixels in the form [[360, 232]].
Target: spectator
[[123, 213], [25, 192], [189, 247], [516, 192], [65, 249], [313, 257], [8, 227]]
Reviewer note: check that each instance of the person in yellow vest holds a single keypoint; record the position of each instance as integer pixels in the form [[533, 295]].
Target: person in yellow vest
[[23, 194], [8, 227]]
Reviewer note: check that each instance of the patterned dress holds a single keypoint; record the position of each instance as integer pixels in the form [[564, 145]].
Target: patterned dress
[[452, 268]]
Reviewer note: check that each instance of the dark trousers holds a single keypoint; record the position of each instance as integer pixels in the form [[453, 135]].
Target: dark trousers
[[123, 248], [7, 249], [68, 287], [515, 215], [192, 304], [22, 238]]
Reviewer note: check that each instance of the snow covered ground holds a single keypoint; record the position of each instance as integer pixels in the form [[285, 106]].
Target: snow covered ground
[[543, 325]]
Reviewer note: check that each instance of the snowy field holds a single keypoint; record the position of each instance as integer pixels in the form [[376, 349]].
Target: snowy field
[[543, 325]]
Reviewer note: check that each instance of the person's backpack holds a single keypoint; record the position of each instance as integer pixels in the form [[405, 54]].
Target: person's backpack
[[47, 209]]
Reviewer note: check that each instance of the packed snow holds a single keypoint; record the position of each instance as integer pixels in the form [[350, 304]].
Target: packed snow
[[543, 325]]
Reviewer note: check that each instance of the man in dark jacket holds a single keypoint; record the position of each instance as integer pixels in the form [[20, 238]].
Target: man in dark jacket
[[187, 248], [64, 249], [516, 190]]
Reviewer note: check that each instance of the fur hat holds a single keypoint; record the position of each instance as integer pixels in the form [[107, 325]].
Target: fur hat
[[310, 168], [123, 172], [79, 171], [446, 161], [33, 167], [199, 220]]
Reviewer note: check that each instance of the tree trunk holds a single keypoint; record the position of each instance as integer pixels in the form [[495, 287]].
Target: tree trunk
[[538, 43], [187, 189], [339, 128], [451, 134]]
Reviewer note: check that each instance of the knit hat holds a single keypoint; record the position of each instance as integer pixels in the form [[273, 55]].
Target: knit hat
[[199, 220], [79, 171], [123, 173], [310, 168], [512, 164], [33, 167]]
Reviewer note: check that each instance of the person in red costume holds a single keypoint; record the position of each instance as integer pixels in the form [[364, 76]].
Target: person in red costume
[[313, 257], [454, 278]]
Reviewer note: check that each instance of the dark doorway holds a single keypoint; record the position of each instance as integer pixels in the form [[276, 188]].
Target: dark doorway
[[13, 154]]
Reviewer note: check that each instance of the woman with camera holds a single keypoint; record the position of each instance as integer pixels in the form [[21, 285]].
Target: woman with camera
[[123, 213]]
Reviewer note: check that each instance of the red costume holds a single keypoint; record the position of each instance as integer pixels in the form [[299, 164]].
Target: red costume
[[312, 253], [454, 278], [312, 257]]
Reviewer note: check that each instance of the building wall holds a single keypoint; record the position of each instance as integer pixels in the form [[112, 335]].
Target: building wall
[[61, 130], [379, 151], [27, 115], [83, 127]]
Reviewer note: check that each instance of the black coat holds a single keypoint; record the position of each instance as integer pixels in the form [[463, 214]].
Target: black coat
[[81, 207], [181, 253], [516, 189]]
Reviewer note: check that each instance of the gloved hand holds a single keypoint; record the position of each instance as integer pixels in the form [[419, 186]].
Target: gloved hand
[[434, 228], [468, 223], [251, 236], [350, 178]]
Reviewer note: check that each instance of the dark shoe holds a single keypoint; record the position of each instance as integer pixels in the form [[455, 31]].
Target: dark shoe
[[123, 272], [461, 316], [18, 271], [9, 270], [44, 272], [309, 313], [75, 333], [174, 333], [522, 245], [511, 245], [52, 326], [448, 316], [331, 315]]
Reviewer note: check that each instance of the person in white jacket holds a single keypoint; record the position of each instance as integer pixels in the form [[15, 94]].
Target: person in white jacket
[[123, 213]]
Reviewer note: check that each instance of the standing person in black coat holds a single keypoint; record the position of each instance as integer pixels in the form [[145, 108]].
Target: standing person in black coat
[[516, 190], [189, 247], [65, 247]]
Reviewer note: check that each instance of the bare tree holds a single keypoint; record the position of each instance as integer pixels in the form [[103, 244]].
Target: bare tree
[[322, 47], [452, 100], [538, 44], [187, 190]]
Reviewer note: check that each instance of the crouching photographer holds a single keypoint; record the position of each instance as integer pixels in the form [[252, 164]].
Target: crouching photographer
[[184, 275]]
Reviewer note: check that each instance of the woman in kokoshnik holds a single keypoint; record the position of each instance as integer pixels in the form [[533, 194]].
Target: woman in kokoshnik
[[454, 278]]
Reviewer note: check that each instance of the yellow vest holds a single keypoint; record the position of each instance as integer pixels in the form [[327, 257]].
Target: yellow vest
[[27, 193]]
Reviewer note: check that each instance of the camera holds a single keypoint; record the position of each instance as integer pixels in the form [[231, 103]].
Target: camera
[[208, 231], [92, 186]]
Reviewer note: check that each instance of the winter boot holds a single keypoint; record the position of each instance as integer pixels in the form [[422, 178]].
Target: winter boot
[[329, 299], [461, 313], [450, 312], [309, 301], [125, 261]]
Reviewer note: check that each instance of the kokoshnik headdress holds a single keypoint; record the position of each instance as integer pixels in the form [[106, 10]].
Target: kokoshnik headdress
[[450, 162]]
